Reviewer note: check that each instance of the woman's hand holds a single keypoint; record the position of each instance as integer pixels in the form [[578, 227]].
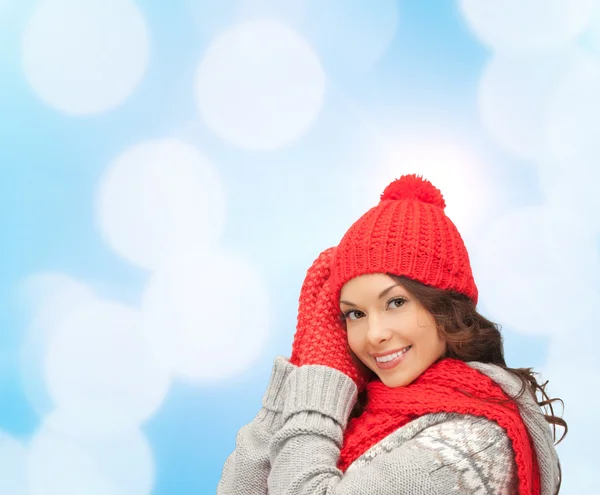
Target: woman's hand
[[320, 334]]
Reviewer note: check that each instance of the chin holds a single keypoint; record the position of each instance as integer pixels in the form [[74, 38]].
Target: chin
[[396, 381]]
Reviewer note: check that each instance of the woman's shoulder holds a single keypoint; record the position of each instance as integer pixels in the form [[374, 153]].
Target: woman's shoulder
[[509, 382], [533, 418], [453, 437], [444, 433], [471, 450]]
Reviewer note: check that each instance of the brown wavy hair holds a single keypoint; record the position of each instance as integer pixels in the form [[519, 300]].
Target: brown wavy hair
[[469, 336]]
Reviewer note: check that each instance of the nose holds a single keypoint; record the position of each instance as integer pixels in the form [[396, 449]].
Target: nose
[[378, 332]]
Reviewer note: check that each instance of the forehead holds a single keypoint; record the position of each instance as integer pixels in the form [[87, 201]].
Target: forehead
[[366, 285]]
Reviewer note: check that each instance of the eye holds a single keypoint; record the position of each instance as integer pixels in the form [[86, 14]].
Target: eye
[[396, 302], [353, 314]]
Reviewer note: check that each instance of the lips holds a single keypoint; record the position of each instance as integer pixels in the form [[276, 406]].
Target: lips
[[391, 359], [378, 355]]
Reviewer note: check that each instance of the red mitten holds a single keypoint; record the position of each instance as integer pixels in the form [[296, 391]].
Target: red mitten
[[320, 335]]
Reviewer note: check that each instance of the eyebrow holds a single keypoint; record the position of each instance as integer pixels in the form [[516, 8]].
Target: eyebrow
[[382, 294]]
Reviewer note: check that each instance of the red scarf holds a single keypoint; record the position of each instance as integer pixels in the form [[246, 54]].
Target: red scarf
[[441, 389]]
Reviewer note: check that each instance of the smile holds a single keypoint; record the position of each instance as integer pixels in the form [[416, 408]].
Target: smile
[[392, 360]]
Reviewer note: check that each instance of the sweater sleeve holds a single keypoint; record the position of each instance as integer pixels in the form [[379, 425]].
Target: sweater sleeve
[[431, 461], [247, 467]]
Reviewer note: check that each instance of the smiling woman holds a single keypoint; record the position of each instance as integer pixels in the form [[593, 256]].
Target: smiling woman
[[389, 330], [396, 384]]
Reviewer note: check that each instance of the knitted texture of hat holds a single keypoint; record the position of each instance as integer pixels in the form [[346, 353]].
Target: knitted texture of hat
[[448, 386], [406, 234]]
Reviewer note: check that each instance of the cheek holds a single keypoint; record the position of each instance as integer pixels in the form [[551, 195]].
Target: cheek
[[436, 344], [428, 340], [354, 341], [426, 332]]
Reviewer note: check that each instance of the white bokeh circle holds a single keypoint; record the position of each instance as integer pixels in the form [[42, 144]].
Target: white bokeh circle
[[591, 39], [119, 465], [525, 27], [259, 85], [538, 271], [208, 315], [209, 16], [85, 57], [352, 34], [158, 198], [574, 185], [451, 167], [101, 372], [573, 117], [516, 98], [51, 293], [292, 11], [49, 297], [14, 466], [572, 369]]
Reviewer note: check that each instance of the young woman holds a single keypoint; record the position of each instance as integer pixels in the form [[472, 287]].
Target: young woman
[[396, 385]]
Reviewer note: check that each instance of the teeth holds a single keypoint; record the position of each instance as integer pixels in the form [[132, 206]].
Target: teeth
[[390, 357]]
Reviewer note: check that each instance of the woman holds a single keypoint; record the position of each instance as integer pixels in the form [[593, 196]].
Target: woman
[[396, 385]]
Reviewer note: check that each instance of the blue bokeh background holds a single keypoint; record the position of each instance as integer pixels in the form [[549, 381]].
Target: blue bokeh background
[[398, 94]]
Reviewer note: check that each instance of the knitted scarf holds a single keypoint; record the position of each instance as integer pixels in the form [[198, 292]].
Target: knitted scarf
[[448, 386]]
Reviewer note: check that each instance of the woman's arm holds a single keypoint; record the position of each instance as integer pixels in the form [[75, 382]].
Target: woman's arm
[[459, 454], [247, 468]]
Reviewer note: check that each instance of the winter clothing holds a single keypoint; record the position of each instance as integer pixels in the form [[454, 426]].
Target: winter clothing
[[247, 469], [448, 386], [452, 430], [408, 234], [320, 337], [293, 446]]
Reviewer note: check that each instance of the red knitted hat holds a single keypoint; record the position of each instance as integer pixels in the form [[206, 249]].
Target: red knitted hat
[[406, 234]]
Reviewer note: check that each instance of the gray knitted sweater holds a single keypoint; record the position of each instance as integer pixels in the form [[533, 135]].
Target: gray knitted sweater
[[293, 445]]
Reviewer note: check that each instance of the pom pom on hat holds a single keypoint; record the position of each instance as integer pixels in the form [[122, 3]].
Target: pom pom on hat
[[407, 234], [414, 187]]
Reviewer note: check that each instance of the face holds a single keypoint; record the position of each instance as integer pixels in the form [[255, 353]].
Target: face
[[388, 329]]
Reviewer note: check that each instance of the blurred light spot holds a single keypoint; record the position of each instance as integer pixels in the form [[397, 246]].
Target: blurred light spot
[[572, 369], [208, 315], [452, 168], [516, 98], [85, 57], [526, 27], [212, 17], [351, 34], [60, 465], [13, 466], [158, 198], [49, 296], [52, 293], [591, 39], [259, 85], [538, 271], [574, 115], [285, 10], [101, 371], [574, 186], [5, 5]]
